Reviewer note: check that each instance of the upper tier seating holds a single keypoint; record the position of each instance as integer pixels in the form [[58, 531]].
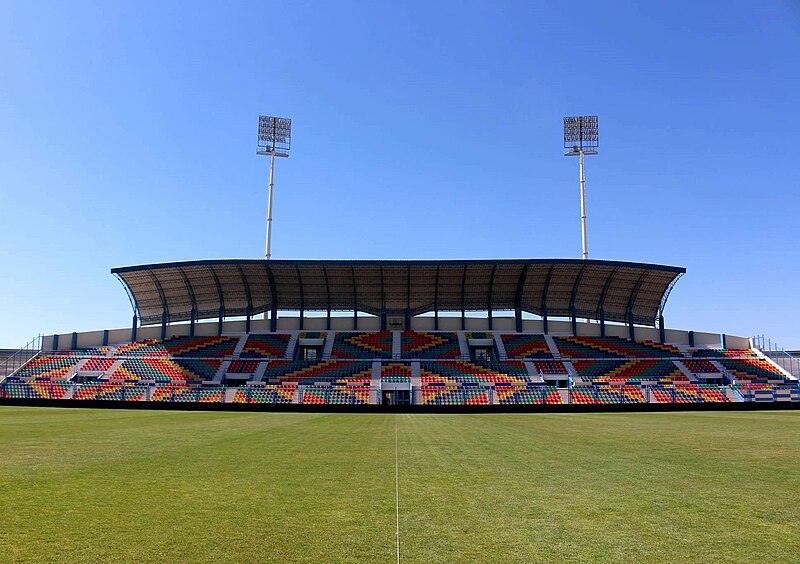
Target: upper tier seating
[[546, 367], [415, 344], [97, 351], [458, 372], [612, 347], [265, 394], [395, 372], [115, 391], [48, 367], [310, 373], [216, 347], [511, 395], [454, 395], [700, 366], [526, 346], [752, 369], [362, 345], [634, 371], [167, 370], [270, 345], [331, 395], [44, 389], [728, 353], [98, 364], [242, 367]]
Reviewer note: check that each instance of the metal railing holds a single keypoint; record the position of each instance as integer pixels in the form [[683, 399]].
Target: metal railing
[[21, 357], [778, 355]]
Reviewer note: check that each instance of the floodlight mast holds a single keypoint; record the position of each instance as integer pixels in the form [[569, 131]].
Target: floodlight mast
[[581, 138], [274, 139]]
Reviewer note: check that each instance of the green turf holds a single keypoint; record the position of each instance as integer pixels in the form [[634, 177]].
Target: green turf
[[191, 486]]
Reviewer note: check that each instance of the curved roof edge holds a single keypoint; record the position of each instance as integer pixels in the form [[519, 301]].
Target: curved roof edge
[[619, 291]]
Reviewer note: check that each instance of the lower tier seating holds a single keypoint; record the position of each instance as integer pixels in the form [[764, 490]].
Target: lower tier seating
[[607, 395], [688, 393], [453, 395], [512, 395], [98, 364], [45, 389], [118, 391], [265, 394], [188, 393], [330, 395]]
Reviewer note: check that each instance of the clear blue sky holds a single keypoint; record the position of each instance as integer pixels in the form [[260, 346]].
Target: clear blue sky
[[421, 130]]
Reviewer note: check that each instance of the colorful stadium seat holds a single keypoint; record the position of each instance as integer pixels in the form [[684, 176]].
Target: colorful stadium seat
[[612, 347], [526, 346], [362, 345], [752, 369], [458, 372], [310, 373], [395, 372], [270, 345], [634, 371], [48, 367], [512, 395], [415, 344], [196, 347], [265, 394]]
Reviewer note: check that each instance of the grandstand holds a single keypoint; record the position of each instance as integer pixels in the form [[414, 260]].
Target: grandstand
[[599, 338]]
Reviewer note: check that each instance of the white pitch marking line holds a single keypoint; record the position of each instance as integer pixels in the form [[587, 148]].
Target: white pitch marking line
[[397, 489]]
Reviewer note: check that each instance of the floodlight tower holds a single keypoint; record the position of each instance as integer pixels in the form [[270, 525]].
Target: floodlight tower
[[274, 139], [580, 139]]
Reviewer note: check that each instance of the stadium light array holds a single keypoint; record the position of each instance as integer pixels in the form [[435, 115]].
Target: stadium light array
[[581, 138], [274, 140]]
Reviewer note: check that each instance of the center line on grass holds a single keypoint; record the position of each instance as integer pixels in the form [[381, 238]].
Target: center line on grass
[[397, 489]]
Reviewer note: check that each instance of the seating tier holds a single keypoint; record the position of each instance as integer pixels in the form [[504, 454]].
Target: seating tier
[[528, 395], [612, 347], [635, 371], [270, 345], [44, 389], [459, 372], [351, 345], [335, 395], [395, 372], [752, 369], [215, 347], [48, 367], [310, 373], [415, 344], [265, 394], [112, 391], [454, 395], [243, 367], [526, 346]]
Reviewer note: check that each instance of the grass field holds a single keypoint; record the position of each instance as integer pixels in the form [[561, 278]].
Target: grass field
[[146, 485]]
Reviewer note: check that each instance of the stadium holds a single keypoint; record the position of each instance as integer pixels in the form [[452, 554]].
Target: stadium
[[426, 369], [396, 346]]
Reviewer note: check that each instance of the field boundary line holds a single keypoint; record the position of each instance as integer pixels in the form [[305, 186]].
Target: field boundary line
[[397, 490]]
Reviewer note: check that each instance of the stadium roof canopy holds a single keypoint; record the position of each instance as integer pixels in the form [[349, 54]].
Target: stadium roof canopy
[[594, 289]]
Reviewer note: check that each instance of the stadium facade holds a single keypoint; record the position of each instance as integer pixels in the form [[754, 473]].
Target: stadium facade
[[290, 333]]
